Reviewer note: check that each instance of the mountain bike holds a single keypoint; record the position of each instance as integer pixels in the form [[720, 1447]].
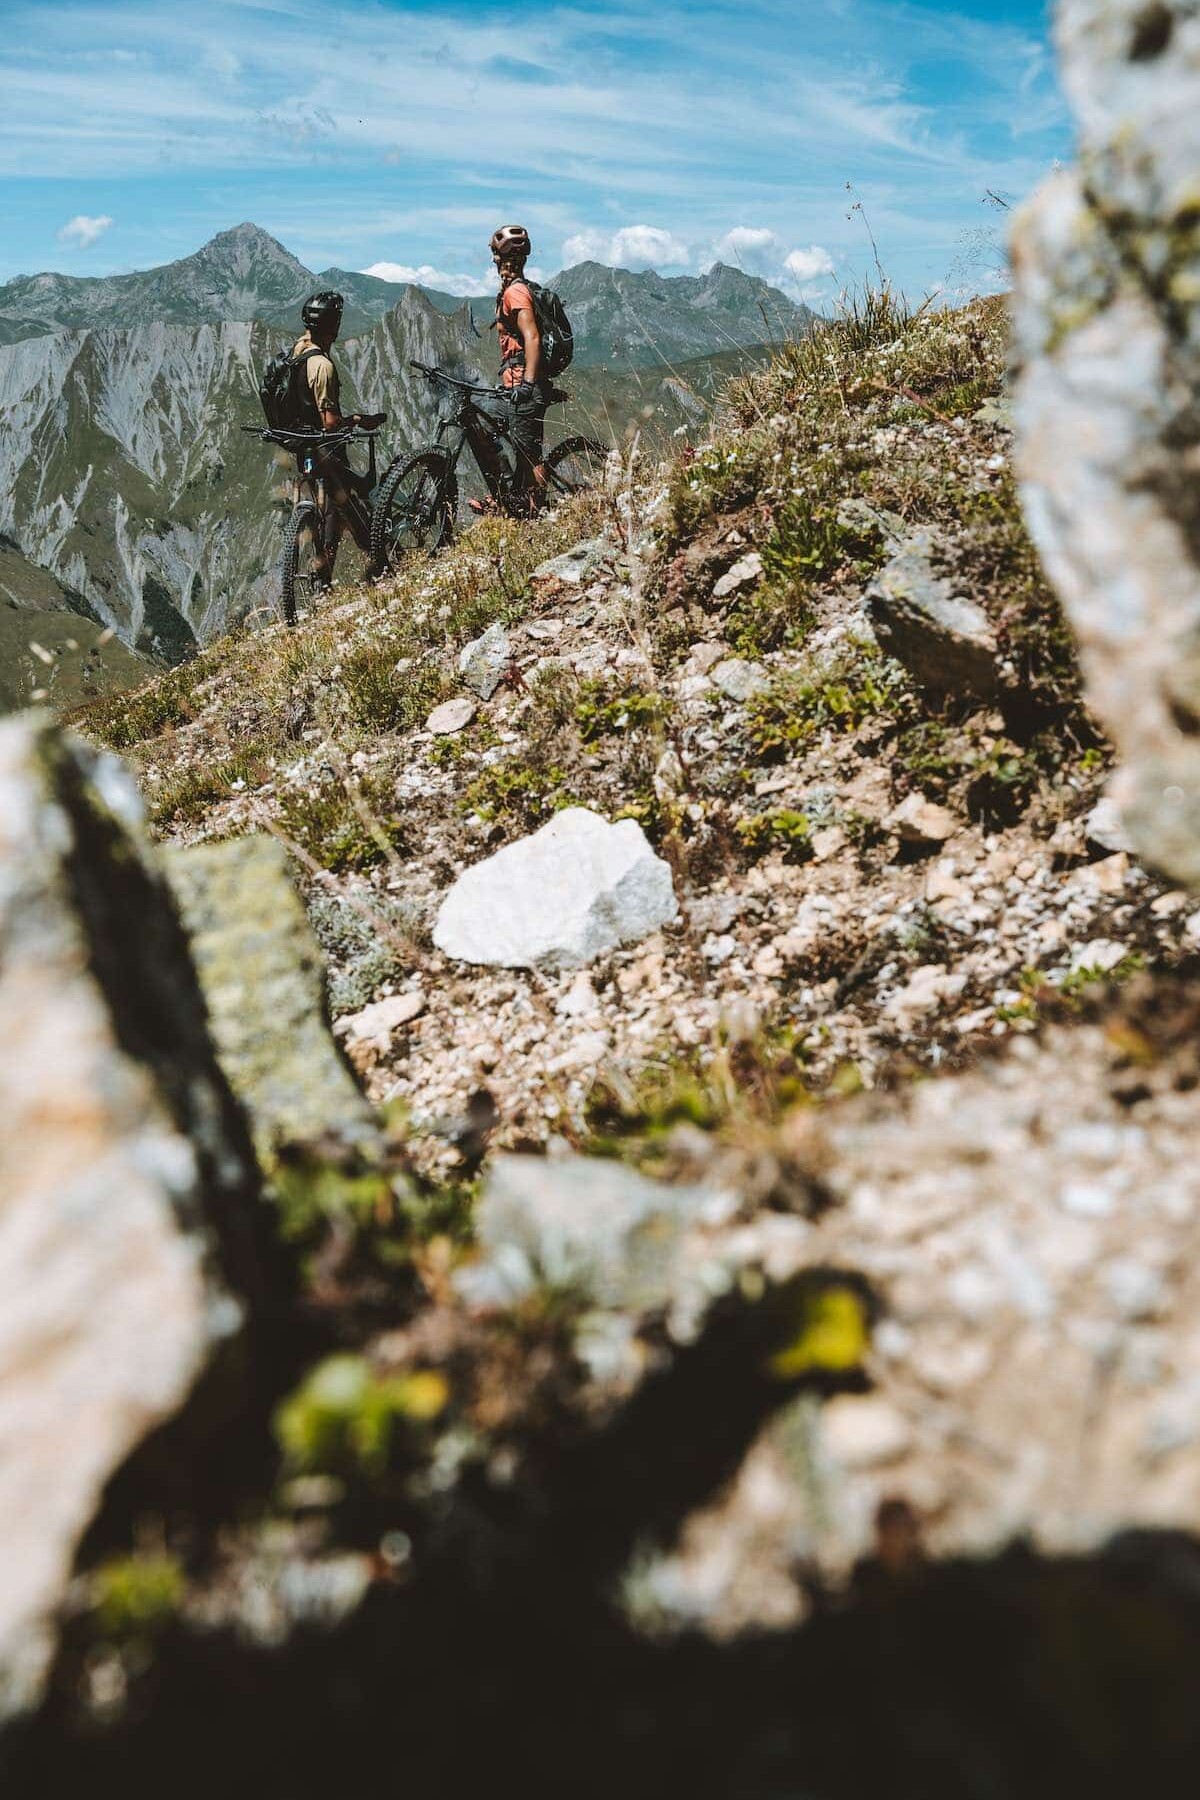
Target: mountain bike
[[416, 503], [310, 535]]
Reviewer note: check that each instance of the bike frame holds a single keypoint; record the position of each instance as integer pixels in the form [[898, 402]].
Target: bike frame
[[309, 490], [474, 427]]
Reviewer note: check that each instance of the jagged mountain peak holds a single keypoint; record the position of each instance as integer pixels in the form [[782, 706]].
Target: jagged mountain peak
[[246, 244]]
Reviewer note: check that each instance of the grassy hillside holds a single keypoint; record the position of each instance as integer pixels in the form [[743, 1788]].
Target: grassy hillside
[[775, 798]]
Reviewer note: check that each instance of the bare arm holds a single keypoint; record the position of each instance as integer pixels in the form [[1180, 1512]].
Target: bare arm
[[324, 388], [531, 338]]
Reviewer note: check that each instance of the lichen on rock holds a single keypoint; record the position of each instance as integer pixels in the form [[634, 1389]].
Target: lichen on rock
[[263, 978]]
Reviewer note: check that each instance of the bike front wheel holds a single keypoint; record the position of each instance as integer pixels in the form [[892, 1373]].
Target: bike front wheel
[[415, 508], [302, 565], [574, 466]]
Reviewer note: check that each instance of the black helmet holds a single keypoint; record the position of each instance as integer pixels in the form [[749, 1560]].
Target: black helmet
[[323, 309]]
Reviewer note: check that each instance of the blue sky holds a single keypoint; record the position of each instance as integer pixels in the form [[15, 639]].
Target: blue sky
[[364, 133]]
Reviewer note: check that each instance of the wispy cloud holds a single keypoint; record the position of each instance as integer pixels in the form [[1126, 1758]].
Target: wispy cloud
[[83, 232], [757, 110]]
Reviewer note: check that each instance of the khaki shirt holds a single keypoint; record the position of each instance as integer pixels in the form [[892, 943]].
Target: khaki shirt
[[322, 377]]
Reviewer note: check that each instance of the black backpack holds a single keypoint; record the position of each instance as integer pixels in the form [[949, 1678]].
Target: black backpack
[[558, 339], [286, 408]]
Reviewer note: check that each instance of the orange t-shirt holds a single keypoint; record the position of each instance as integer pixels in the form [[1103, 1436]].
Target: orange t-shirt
[[509, 301]]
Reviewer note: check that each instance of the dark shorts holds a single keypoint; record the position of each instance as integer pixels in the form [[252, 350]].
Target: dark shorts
[[529, 427], [526, 423]]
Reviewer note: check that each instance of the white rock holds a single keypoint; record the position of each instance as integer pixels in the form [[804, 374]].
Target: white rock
[[828, 842], [586, 1223], [376, 1023], [702, 657], [924, 992], [739, 679], [1104, 826], [1101, 953], [1105, 328], [541, 630], [484, 660], [580, 999], [745, 571], [921, 821], [583, 1052], [560, 898], [451, 716]]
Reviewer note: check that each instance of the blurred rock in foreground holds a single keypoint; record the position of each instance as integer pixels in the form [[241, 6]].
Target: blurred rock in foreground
[[1107, 279], [125, 1171]]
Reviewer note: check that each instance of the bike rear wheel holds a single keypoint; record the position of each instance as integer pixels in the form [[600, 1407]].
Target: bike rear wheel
[[302, 572], [574, 466], [415, 508]]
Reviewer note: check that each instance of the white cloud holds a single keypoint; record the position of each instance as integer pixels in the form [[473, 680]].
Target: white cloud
[[425, 275], [84, 232], [798, 273], [750, 247], [632, 247], [809, 265]]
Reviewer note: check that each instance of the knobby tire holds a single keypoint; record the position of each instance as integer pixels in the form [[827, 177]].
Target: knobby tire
[[303, 522], [425, 510], [575, 465]]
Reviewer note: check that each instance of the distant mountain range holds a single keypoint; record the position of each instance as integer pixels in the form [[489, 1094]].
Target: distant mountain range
[[242, 274], [620, 318], [130, 498]]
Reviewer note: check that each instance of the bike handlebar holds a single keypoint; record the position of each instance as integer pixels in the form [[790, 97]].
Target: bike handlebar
[[346, 435], [468, 387]]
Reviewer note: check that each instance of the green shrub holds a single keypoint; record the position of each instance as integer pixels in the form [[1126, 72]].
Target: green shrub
[[345, 1420], [519, 791], [777, 830], [599, 712], [841, 692], [123, 720], [338, 834], [136, 1597], [187, 794]]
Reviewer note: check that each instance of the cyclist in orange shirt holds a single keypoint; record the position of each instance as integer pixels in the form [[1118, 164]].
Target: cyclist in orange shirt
[[521, 353]]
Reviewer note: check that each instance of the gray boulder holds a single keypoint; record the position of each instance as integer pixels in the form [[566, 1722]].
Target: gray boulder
[[576, 566], [944, 640], [589, 1225], [484, 660], [572, 891], [738, 679], [126, 1175]]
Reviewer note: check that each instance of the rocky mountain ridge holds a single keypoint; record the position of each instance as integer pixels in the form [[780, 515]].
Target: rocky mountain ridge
[[128, 476], [244, 274], [241, 274]]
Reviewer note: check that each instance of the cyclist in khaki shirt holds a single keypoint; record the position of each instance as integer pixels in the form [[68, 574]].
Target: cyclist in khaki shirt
[[319, 399]]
